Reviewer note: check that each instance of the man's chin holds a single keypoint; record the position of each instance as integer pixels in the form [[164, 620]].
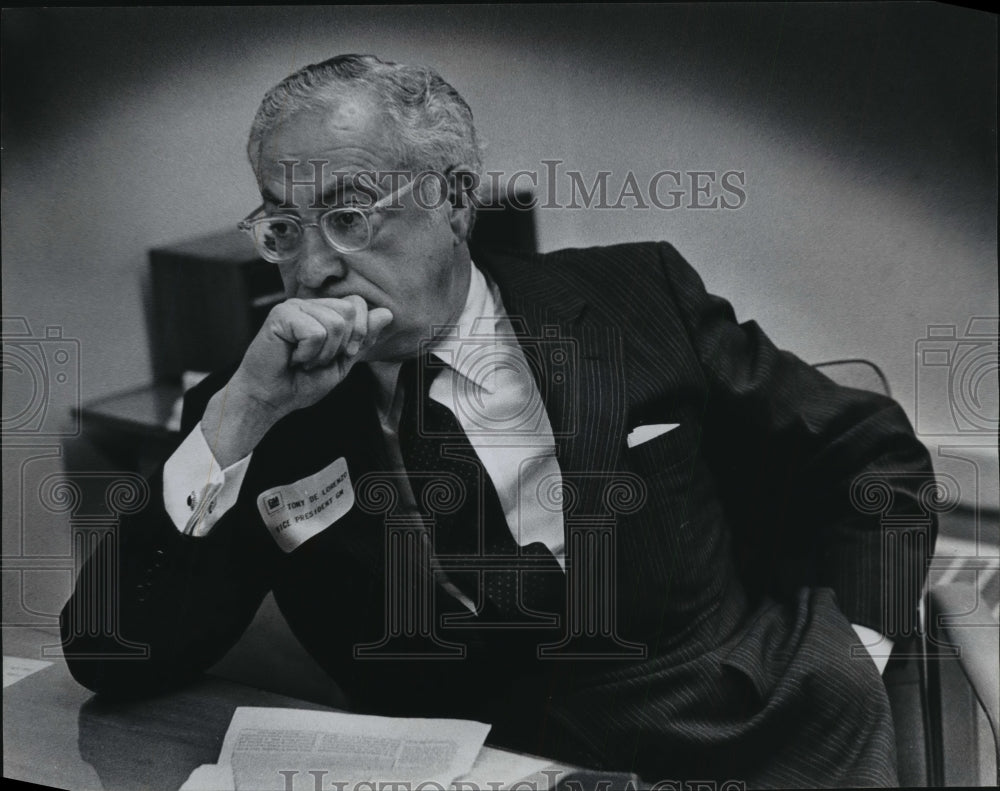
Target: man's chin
[[387, 351]]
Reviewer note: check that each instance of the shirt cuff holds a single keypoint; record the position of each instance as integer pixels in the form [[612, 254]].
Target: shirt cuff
[[196, 491], [879, 647]]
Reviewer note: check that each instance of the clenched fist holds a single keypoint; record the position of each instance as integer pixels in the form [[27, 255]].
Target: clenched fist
[[304, 349]]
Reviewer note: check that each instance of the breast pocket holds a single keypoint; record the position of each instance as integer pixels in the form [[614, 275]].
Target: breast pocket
[[667, 451]]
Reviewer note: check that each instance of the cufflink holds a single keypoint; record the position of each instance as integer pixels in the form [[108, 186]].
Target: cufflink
[[199, 508]]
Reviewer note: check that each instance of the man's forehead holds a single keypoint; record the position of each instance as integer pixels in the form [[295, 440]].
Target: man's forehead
[[347, 135]]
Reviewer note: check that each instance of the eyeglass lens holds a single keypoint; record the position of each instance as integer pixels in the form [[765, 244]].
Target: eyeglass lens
[[279, 239]]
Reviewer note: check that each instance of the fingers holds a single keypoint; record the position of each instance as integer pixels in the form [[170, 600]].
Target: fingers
[[338, 319], [316, 332], [360, 327], [297, 329], [378, 320], [322, 330]]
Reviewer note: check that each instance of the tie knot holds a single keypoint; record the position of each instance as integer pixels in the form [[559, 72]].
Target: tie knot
[[418, 373]]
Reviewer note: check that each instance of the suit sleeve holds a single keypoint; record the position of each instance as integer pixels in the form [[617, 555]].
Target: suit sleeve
[[804, 465], [153, 607]]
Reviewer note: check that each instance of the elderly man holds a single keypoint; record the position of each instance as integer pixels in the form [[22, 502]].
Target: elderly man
[[567, 494]]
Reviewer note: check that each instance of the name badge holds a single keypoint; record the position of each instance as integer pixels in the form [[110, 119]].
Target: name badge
[[296, 512]]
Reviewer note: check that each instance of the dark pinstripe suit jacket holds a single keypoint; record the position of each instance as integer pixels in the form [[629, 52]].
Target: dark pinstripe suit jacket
[[737, 558]]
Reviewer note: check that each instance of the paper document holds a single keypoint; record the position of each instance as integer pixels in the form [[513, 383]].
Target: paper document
[[494, 770], [15, 668], [499, 769], [210, 777], [299, 750]]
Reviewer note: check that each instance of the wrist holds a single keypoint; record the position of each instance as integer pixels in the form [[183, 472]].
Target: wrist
[[234, 423]]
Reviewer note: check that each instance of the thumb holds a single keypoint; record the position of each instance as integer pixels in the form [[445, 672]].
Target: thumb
[[378, 320]]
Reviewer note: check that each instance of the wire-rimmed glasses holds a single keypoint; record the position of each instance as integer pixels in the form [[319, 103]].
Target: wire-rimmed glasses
[[278, 237]]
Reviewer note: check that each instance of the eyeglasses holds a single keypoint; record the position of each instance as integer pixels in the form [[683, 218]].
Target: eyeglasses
[[278, 237]]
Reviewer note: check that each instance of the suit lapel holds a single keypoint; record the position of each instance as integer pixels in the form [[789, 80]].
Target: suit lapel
[[577, 363]]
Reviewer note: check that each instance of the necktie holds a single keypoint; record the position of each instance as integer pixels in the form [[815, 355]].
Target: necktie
[[472, 541]]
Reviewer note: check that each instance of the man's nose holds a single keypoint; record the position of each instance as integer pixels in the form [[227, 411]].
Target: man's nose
[[319, 264]]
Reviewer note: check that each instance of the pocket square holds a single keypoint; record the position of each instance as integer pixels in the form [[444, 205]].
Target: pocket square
[[641, 434]]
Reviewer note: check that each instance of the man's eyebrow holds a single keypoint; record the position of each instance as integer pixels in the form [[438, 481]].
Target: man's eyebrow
[[338, 186], [341, 184], [269, 197]]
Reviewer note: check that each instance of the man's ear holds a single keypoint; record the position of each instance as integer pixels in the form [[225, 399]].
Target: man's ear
[[462, 184]]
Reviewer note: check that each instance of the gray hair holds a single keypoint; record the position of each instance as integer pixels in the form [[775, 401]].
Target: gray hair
[[433, 124]]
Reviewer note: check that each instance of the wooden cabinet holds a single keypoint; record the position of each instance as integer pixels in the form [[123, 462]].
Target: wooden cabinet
[[210, 296]]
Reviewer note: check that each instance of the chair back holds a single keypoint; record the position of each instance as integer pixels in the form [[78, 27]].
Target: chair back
[[857, 373], [911, 680]]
